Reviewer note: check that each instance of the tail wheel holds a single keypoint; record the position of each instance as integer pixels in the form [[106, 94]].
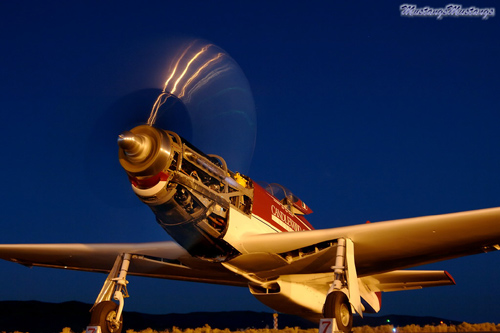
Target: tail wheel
[[104, 315], [337, 306]]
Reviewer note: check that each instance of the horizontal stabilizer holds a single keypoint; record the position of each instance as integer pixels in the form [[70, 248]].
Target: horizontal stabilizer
[[407, 280]]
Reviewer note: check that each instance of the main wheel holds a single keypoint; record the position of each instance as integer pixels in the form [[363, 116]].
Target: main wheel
[[337, 306], [104, 315]]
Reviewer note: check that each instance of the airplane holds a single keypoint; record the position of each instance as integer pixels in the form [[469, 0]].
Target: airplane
[[232, 230]]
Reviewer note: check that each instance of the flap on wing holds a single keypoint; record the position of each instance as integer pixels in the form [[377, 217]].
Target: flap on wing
[[318, 259], [407, 280]]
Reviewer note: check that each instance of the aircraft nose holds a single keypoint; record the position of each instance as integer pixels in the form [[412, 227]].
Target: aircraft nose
[[135, 147], [144, 151]]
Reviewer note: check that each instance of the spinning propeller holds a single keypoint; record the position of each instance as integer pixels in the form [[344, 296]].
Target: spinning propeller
[[209, 85], [205, 98]]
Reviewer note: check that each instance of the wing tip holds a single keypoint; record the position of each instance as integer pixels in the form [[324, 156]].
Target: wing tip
[[448, 275]]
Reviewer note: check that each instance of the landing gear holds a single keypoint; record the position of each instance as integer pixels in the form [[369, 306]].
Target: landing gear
[[107, 315], [343, 295], [337, 306]]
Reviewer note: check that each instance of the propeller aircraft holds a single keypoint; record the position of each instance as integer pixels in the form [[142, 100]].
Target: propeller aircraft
[[232, 230]]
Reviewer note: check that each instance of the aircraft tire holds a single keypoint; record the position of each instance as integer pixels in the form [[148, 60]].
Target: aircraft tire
[[337, 306], [102, 314]]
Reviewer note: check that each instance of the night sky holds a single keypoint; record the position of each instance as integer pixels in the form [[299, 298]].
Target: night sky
[[362, 113]]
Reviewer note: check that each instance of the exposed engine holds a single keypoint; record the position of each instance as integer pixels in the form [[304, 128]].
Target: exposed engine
[[189, 192]]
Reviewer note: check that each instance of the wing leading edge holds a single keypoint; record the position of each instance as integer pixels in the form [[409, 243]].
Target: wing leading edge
[[166, 260], [385, 246]]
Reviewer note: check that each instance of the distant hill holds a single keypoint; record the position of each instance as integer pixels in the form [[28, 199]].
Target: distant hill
[[40, 317]]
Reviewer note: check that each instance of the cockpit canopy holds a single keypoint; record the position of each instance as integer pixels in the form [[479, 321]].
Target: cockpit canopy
[[292, 202]]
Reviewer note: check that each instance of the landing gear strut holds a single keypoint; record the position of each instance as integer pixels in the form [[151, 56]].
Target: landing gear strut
[[344, 289], [107, 315]]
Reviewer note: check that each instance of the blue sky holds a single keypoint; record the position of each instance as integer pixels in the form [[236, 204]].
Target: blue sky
[[364, 114]]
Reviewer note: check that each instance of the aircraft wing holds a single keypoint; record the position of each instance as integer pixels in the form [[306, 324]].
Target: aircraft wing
[[378, 248], [382, 246], [166, 260]]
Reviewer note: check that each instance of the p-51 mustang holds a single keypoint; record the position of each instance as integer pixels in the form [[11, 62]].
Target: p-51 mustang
[[234, 231]]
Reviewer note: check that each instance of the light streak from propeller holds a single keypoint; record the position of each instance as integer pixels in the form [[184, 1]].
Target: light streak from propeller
[[177, 64], [210, 76], [162, 98], [175, 79], [203, 50], [195, 75]]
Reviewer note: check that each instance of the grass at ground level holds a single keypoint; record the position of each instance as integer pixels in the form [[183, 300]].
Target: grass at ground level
[[464, 327]]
